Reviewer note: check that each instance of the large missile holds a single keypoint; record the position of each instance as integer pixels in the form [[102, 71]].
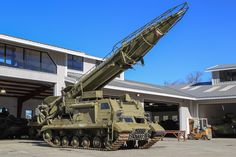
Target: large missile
[[142, 40], [128, 52]]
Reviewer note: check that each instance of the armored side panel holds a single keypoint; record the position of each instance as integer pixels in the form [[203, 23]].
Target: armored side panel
[[92, 95]]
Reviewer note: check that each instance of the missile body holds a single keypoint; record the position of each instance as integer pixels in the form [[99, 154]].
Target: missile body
[[128, 52]]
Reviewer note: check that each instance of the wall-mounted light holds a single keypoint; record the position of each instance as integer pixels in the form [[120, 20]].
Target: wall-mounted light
[[137, 94], [3, 91]]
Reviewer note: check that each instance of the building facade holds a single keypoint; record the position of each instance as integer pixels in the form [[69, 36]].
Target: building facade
[[31, 71]]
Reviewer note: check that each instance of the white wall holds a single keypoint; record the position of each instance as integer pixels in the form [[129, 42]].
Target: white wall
[[88, 64], [184, 116], [61, 61], [27, 74]]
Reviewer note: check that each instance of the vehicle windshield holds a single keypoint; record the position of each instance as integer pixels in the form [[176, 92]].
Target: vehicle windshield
[[123, 118], [128, 119], [139, 120]]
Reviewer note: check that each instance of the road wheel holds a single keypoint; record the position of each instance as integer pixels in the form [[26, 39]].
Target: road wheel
[[97, 143], [57, 141], [106, 143], [47, 135], [85, 142], [64, 141], [75, 142]]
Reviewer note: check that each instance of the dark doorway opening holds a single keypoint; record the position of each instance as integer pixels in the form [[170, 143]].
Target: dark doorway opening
[[164, 113]]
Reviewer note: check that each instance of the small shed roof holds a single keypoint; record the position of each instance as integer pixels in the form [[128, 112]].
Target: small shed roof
[[222, 67]]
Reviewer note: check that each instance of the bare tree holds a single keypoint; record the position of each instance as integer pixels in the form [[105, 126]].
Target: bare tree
[[194, 77]]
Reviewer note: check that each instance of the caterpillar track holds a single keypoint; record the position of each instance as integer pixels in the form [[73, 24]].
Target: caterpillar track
[[116, 145], [121, 139], [151, 142]]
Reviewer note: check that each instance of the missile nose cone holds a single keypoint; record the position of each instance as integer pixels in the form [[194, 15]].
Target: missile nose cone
[[171, 17], [181, 12]]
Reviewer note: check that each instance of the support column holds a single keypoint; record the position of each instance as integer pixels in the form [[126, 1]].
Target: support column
[[184, 116], [57, 88], [19, 107], [197, 110]]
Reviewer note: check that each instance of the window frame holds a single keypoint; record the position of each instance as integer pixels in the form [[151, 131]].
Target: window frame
[[28, 66], [7, 46], [41, 62], [4, 54], [32, 113], [105, 108], [128, 119], [225, 74], [72, 64], [24, 58]]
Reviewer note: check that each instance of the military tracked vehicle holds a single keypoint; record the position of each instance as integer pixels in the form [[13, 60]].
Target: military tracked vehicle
[[226, 127], [10, 126], [83, 118]]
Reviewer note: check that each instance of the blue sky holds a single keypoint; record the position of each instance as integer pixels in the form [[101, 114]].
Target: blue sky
[[203, 38]]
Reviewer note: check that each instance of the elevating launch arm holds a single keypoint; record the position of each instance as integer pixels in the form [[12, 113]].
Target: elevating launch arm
[[127, 52]]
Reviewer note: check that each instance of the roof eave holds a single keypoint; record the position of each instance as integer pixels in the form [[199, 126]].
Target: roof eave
[[8, 38], [216, 98], [221, 69]]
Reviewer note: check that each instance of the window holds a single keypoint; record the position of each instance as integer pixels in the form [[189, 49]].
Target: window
[[228, 75], [14, 56], [75, 62], [4, 110], [128, 119], [2, 53], [47, 64], [32, 59], [139, 120], [174, 118], [25, 58], [156, 119], [105, 106], [165, 118], [28, 114]]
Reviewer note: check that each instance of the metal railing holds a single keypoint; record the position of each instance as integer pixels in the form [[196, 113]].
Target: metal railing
[[118, 45]]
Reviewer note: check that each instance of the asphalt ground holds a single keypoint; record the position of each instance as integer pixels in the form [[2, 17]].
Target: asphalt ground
[[170, 147]]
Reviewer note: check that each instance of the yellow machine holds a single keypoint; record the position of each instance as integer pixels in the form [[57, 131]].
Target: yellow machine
[[200, 129]]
